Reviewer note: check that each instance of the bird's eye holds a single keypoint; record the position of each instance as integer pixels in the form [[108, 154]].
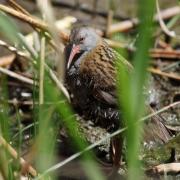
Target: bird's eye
[[82, 39]]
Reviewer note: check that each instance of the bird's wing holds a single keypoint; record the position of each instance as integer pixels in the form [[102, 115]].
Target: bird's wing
[[155, 129], [99, 67]]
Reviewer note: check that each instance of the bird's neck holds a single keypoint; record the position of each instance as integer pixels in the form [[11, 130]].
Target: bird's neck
[[79, 59], [74, 69]]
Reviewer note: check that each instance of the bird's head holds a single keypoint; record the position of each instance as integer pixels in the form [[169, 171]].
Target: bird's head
[[82, 39]]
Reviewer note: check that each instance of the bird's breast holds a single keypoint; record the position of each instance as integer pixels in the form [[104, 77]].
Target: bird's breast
[[78, 88]]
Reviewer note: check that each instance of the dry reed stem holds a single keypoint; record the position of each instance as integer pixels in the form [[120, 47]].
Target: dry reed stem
[[165, 53], [162, 24], [165, 74], [14, 154], [16, 76], [169, 168], [16, 6], [7, 60], [129, 24], [31, 20], [41, 73]]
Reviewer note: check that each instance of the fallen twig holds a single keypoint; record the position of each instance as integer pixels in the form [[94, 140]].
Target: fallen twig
[[37, 23], [16, 6], [47, 11], [58, 83], [165, 53], [170, 168], [25, 55], [123, 26], [16, 76], [41, 71], [7, 60], [163, 45], [31, 20], [13, 153], [13, 49], [162, 24], [159, 72], [129, 24]]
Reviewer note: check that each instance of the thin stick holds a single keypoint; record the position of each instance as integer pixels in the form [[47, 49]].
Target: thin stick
[[28, 47], [74, 156], [22, 10], [52, 74], [18, 7], [47, 10], [29, 19], [15, 102], [168, 13], [14, 154], [123, 26], [41, 78], [58, 83], [16, 76], [7, 60], [120, 27], [129, 24], [13, 49], [34, 54], [32, 21], [170, 168], [165, 53], [159, 72], [162, 24]]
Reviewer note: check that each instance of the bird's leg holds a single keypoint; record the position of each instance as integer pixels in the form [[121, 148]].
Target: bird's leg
[[116, 149]]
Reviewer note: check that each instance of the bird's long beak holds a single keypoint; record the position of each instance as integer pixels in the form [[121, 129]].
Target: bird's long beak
[[75, 50]]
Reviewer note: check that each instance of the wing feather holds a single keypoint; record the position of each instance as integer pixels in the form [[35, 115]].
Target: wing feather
[[99, 67]]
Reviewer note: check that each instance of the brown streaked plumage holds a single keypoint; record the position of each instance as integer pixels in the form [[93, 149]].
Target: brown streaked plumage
[[91, 81]]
